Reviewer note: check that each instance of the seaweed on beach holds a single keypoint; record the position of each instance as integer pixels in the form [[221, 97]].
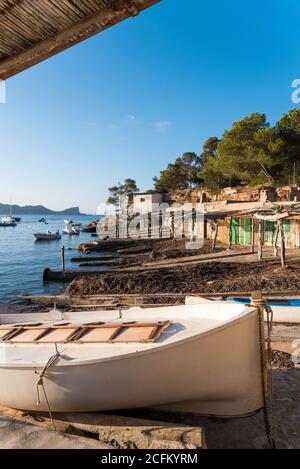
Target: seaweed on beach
[[210, 277]]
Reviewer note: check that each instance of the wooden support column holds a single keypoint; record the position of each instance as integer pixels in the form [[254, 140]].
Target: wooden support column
[[215, 234], [230, 233], [282, 242], [183, 224], [260, 240], [172, 225], [149, 225], [160, 222], [117, 225], [253, 236], [275, 243]]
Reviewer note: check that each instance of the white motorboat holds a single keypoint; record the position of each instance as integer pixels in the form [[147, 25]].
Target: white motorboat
[[8, 221], [202, 359], [285, 310], [70, 229], [47, 236]]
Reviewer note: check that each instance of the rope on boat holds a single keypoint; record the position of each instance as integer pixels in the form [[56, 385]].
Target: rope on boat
[[40, 382]]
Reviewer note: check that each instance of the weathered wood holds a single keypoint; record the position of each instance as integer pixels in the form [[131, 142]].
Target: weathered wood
[[94, 258], [253, 236], [215, 225], [115, 263], [276, 239], [282, 242], [260, 240], [230, 233], [135, 250], [34, 31], [68, 275], [63, 258]]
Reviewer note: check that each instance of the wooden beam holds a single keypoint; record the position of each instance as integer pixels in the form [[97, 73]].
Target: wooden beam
[[72, 35]]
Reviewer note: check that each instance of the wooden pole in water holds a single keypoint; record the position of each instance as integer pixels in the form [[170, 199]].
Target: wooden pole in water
[[63, 258]]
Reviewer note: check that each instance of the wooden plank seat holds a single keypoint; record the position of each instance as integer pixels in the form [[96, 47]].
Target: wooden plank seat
[[84, 333]]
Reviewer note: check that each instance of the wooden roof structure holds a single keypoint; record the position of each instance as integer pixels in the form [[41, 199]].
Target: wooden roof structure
[[34, 30]]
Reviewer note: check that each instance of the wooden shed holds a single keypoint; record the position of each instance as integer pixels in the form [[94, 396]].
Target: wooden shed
[[243, 228]]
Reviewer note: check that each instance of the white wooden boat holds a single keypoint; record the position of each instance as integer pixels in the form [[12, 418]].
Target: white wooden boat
[[201, 358], [285, 310], [70, 229], [47, 236]]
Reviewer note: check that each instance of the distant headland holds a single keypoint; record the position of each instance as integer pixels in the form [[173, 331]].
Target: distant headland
[[36, 210]]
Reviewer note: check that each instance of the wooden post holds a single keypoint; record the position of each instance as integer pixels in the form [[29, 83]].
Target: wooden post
[[160, 222], [275, 244], [172, 225], [63, 258], [253, 235], [149, 225], [260, 240], [215, 235], [230, 233], [117, 225], [282, 242]]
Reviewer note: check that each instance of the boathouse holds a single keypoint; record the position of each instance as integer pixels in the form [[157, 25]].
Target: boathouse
[[243, 229]]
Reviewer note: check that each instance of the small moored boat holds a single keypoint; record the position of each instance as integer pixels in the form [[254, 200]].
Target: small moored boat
[[202, 359], [8, 221], [47, 236], [70, 229]]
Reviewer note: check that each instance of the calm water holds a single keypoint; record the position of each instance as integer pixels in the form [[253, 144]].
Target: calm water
[[22, 260]]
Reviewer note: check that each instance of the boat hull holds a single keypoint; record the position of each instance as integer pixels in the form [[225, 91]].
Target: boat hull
[[40, 237], [214, 373]]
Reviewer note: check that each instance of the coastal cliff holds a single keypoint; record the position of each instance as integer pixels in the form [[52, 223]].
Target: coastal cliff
[[37, 210]]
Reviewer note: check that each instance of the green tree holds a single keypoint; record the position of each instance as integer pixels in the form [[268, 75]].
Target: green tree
[[288, 140], [239, 151], [127, 187], [181, 174], [210, 149]]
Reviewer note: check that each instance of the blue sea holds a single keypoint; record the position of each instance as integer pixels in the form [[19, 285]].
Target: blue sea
[[23, 260]]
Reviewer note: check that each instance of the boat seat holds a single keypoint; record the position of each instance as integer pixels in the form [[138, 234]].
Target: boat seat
[[85, 333]]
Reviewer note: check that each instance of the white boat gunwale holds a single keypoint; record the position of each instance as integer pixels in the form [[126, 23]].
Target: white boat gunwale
[[156, 347]]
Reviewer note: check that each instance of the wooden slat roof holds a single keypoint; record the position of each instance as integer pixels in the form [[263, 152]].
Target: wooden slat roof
[[33, 30]]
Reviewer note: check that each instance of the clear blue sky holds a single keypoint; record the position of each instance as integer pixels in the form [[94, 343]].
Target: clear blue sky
[[130, 100]]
